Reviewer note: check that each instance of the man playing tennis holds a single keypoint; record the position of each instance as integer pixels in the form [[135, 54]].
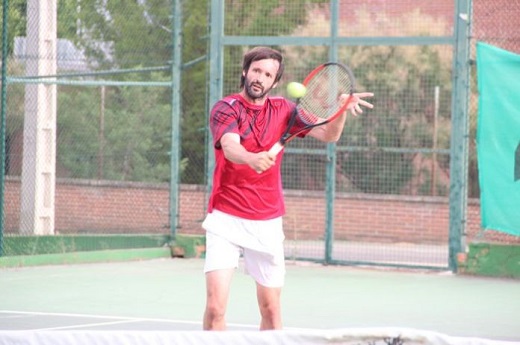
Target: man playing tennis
[[246, 204]]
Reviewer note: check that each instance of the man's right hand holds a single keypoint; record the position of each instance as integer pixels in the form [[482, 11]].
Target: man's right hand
[[261, 161]]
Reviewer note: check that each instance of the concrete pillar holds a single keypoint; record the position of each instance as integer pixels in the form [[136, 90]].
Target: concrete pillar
[[39, 151]]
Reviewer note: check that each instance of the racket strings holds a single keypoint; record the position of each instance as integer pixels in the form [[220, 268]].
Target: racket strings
[[323, 97]]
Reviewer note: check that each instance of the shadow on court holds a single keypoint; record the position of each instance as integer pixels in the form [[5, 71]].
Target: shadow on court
[[169, 295]]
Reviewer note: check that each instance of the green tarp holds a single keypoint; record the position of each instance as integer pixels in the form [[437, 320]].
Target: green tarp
[[498, 138]]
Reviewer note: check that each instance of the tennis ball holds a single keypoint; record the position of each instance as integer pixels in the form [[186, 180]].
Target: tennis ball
[[296, 90]]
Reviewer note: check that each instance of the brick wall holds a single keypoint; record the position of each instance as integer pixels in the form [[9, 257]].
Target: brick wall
[[124, 207]]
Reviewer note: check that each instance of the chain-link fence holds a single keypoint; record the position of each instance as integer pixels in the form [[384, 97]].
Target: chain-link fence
[[382, 191], [98, 136], [494, 22], [88, 123]]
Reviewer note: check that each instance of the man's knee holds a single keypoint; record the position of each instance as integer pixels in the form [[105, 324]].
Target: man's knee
[[214, 318]]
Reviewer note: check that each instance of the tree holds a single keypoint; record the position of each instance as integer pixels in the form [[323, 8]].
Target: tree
[[384, 141], [133, 140], [126, 145], [16, 20]]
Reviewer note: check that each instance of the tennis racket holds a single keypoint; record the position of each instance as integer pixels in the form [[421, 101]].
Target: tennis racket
[[321, 103]]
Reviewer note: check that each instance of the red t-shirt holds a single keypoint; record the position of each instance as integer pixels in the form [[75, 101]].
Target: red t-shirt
[[237, 189]]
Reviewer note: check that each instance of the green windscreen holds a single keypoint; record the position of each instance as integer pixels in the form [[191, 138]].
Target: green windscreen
[[498, 138]]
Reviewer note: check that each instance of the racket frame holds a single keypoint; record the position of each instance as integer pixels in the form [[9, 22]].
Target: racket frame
[[287, 136]]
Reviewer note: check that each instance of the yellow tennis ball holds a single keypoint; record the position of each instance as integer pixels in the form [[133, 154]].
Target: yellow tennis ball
[[296, 90]]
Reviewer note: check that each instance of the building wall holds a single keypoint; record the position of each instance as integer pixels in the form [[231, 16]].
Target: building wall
[[93, 207]]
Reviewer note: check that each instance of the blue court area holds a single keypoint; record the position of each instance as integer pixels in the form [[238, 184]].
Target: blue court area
[[162, 301]]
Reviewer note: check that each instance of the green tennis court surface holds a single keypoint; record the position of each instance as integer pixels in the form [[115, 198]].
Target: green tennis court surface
[[168, 295]]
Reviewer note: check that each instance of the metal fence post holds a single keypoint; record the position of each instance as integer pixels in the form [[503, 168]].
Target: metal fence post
[[330, 183], [216, 51], [3, 121], [176, 115], [459, 132]]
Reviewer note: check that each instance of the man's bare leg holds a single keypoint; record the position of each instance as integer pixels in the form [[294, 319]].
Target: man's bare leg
[[217, 293], [269, 304]]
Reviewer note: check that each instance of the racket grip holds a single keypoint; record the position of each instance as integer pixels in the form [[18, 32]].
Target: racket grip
[[276, 148]]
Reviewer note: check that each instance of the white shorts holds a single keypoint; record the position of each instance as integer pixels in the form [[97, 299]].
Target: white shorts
[[259, 241]]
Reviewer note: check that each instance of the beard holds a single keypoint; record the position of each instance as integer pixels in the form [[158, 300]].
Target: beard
[[255, 90]]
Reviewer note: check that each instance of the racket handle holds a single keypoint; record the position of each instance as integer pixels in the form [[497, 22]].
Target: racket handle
[[276, 148]]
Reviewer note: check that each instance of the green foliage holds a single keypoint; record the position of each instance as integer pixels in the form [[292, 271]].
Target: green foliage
[[77, 151], [194, 92], [15, 105], [16, 20], [268, 17], [403, 81], [67, 22], [376, 146], [377, 171], [134, 142], [139, 33], [129, 144]]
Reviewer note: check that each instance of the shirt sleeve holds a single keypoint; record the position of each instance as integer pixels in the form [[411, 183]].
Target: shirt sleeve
[[223, 119]]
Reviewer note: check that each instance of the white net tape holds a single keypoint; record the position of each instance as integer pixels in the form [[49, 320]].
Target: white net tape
[[362, 336]]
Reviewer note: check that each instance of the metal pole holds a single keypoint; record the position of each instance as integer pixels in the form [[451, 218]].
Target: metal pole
[[176, 115], [433, 187], [330, 189], [216, 72], [101, 138], [3, 121], [459, 132]]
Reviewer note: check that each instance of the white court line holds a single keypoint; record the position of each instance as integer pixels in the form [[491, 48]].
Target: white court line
[[83, 325], [128, 318], [122, 319]]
